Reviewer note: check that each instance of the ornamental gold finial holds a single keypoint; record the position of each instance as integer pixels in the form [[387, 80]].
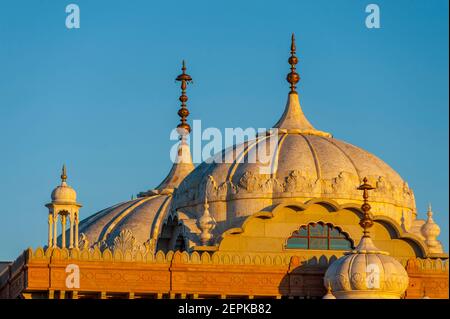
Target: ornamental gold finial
[[63, 173], [293, 76], [183, 128], [367, 220]]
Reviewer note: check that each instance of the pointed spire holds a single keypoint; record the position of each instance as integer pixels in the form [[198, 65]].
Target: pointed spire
[[182, 161], [367, 219], [293, 120], [430, 215], [293, 76], [430, 230], [183, 128], [64, 174]]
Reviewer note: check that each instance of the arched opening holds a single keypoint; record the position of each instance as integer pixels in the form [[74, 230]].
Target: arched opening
[[319, 236]]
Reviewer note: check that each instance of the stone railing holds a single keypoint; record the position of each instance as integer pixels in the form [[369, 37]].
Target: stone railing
[[243, 274], [216, 258]]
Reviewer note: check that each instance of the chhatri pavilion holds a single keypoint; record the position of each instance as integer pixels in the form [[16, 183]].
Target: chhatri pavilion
[[332, 221]]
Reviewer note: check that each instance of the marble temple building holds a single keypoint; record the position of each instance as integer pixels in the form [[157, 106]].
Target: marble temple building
[[331, 221]]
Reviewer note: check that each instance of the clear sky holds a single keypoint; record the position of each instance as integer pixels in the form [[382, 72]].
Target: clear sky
[[103, 98]]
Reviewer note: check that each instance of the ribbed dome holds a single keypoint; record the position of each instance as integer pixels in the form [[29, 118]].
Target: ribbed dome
[[63, 193], [140, 217], [430, 230], [307, 164], [367, 273]]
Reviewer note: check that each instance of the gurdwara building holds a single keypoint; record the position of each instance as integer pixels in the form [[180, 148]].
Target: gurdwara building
[[327, 220]]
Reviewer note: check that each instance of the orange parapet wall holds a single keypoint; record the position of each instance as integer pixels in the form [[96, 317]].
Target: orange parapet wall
[[427, 277], [42, 274]]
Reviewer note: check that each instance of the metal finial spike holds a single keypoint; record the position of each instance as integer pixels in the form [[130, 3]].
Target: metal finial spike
[[64, 173], [183, 128], [293, 76], [366, 221], [430, 212], [293, 48]]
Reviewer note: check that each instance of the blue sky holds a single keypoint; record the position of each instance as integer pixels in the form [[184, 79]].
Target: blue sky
[[103, 98]]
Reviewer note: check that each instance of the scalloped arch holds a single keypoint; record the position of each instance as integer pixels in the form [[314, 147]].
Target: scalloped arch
[[339, 228], [416, 243], [413, 239]]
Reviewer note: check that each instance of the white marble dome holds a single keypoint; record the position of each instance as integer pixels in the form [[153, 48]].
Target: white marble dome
[[140, 217], [309, 164], [64, 193], [366, 273]]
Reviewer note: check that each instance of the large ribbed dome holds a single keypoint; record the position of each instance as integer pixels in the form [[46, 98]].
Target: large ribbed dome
[[307, 164]]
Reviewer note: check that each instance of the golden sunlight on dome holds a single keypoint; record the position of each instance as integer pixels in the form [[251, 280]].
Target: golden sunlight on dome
[[430, 230], [244, 226], [366, 272], [305, 163]]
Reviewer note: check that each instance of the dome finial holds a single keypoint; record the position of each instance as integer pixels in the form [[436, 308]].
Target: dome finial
[[182, 160], [64, 174], [293, 76], [206, 224], [366, 221], [183, 128], [381, 276], [430, 230]]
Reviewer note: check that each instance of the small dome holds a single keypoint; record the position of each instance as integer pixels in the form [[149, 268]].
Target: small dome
[[430, 230], [64, 193], [367, 273]]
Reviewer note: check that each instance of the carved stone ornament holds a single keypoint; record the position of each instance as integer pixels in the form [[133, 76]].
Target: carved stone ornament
[[296, 182], [83, 242]]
